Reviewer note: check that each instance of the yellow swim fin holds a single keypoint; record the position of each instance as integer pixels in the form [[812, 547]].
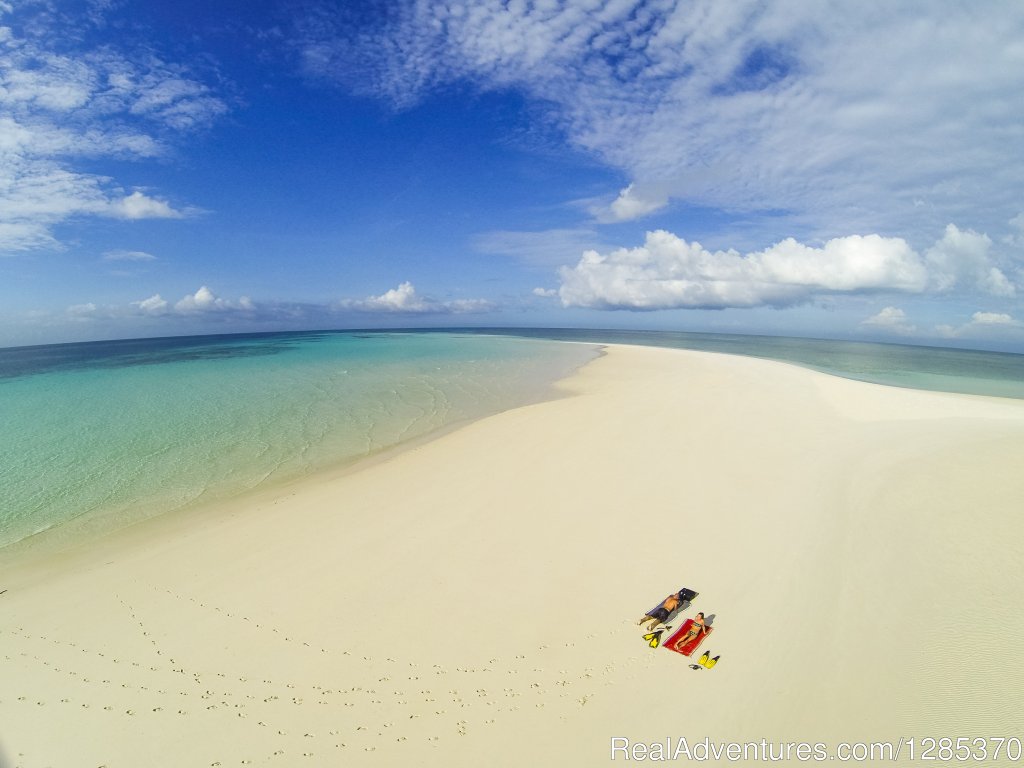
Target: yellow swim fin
[[704, 659], [655, 640], [712, 663]]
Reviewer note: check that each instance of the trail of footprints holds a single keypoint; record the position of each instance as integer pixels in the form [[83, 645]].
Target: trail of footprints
[[419, 692]]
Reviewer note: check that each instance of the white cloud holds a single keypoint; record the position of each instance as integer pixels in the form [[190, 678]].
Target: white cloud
[[983, 325], [201, 309], [400, 299], [631, 204], [138, 205], [992, 318], [205, 309], [546, 293], [172, 99], [1016, 236], [125, 255], [154, 305], [891, 319], [962, 259], [57, 108], [24, 236], [667, 272], [204, 300], [847, 116], [405, 300]]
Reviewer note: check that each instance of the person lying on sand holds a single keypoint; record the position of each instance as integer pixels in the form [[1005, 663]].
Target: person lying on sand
[[660, 614], [698, 628]]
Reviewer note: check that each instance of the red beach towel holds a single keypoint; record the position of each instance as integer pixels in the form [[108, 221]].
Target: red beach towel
[[691, 646]]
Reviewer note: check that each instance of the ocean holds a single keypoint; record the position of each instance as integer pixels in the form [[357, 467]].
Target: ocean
[[100, 435], [939, 369]]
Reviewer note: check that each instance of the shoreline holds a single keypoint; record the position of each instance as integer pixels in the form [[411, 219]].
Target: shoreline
[[455, 602], [92, 528]]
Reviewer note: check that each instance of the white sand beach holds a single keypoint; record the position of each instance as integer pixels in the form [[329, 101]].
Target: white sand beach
[[473, 600]]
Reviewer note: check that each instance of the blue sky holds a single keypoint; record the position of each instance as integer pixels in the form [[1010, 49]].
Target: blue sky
[[847, 170]]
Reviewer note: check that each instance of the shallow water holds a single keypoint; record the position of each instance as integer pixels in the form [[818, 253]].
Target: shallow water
[[998, 374], [108, 433]]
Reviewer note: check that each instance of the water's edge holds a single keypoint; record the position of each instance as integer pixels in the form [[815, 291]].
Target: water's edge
[[80, 532], [928, 369]]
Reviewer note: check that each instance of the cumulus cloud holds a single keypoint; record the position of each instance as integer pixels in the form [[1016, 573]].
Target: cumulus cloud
[[138, 205], [668, 272], [546, 293], [891, 319], [405, 300], [982, 325], [204, 308], [741, 105], [993, 318], [204, 300], [962, 258], [60, 107]]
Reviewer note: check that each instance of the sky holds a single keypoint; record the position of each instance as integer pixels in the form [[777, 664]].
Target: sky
[[830, 169]]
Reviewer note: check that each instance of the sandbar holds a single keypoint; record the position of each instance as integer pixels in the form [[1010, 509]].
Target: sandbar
[[473, 600]]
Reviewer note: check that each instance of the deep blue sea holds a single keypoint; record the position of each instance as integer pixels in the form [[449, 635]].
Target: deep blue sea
[[100, 435]]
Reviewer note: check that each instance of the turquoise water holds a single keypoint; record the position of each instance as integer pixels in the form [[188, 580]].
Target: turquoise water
[[104, 434], [974, 372], [99, 435]]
